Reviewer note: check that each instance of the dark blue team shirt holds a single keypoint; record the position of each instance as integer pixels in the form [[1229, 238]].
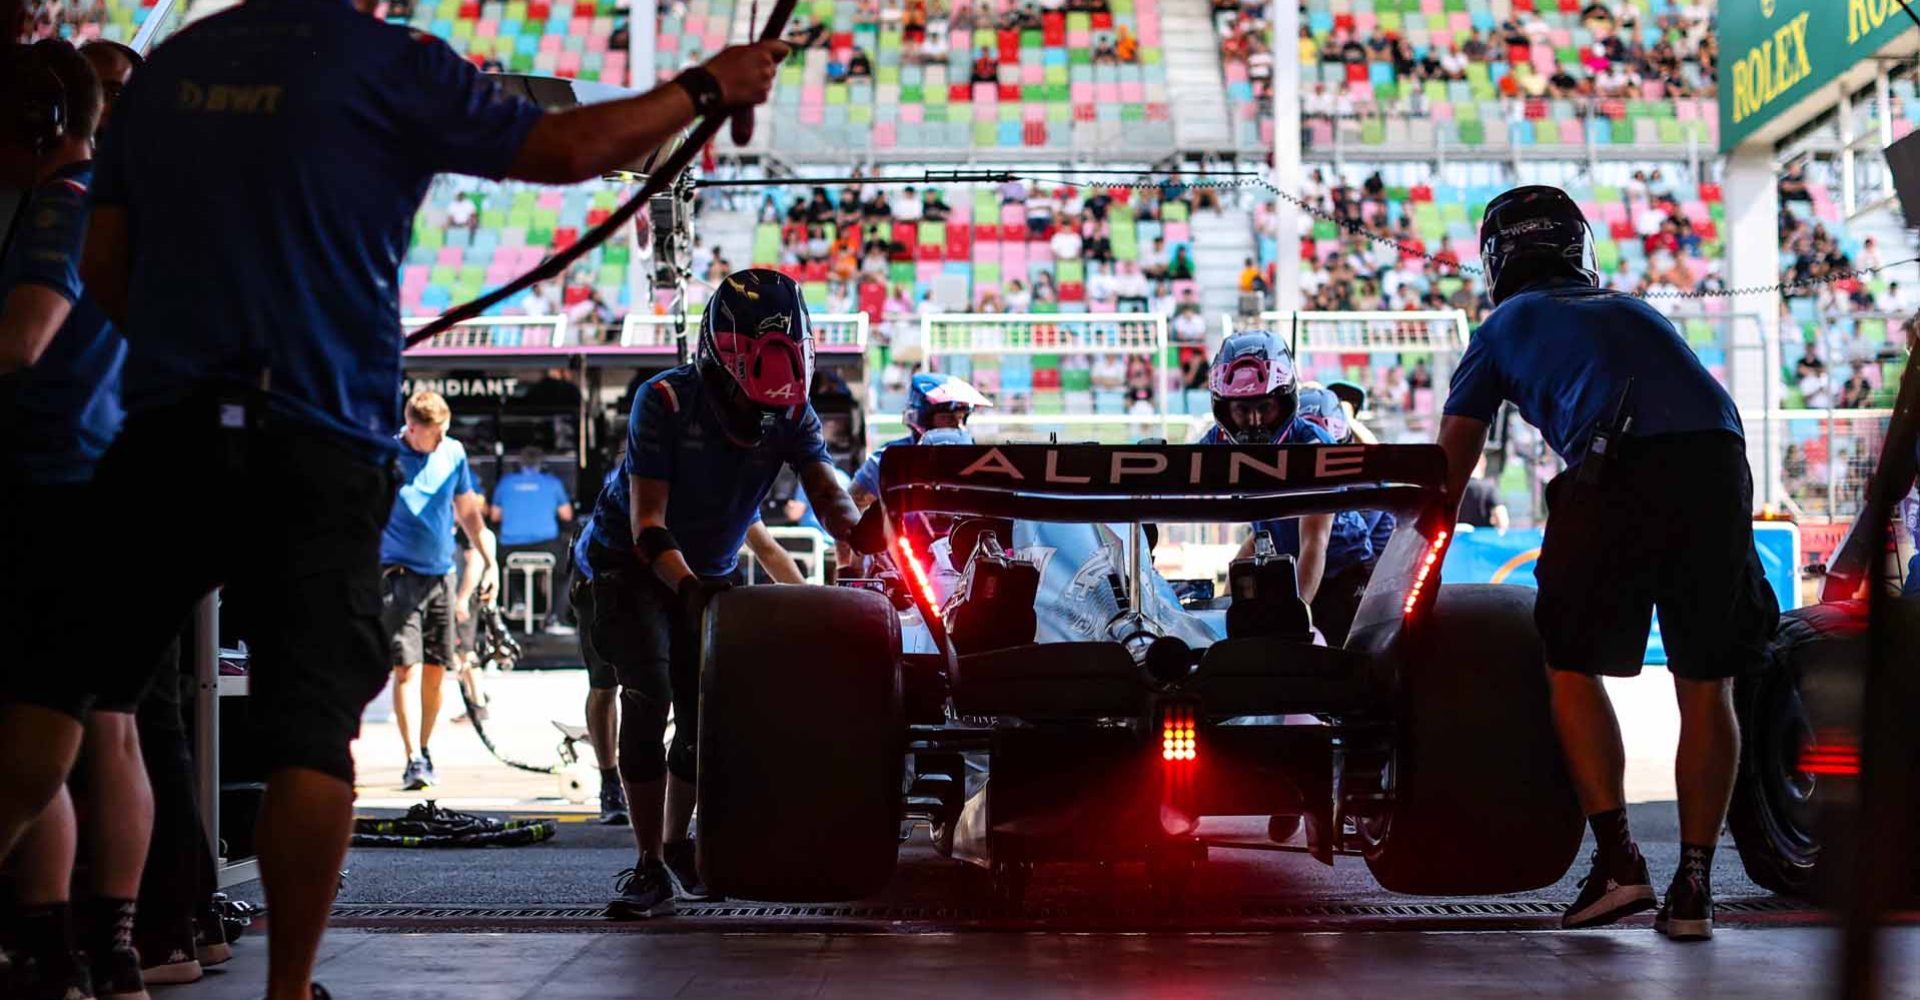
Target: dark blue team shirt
[[717, 486], [529, 505], [583, 540], [1563, 353], [867, 477], [419, 532], [271, 159], [1348, 543], [58, 416]]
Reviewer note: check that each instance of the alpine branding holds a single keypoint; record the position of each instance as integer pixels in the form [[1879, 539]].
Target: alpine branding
[[1188, 466]]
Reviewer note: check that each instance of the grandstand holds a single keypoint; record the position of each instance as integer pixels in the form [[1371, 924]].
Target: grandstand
[[572, 40]]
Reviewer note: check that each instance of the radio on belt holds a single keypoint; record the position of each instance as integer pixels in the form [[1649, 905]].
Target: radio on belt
[[1605, 441]]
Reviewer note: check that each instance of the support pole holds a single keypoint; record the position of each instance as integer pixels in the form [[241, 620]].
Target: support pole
[[1285, 46]]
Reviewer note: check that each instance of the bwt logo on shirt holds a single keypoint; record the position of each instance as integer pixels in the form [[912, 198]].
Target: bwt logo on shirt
[[262, 98]]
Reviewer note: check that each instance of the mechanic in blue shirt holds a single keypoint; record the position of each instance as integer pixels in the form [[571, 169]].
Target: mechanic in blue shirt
[[1256, 400], [1356, 540], [704, 444], [60, 367], [530, 505], [437, 491], [934, 400], [1658, 514], [251, 206]]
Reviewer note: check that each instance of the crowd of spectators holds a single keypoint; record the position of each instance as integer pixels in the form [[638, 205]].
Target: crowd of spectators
[[931, 28], [1616, 64]]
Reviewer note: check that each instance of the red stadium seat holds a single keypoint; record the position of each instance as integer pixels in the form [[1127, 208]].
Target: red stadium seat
[[960, 93], [1085, 113], [1710, 193], [1343, 22], [1046, 378], [596, 216], [906, 234], [1009, 46], [1053, 29], [565, 236], [584, 8], [470, 10], [1034, 133], [873, 300], [959, 241], [1073, 291], [815, 271], [1707, 229], [1621, 230], [539, 10], [575, 294], [1420, 192], [1102, 21], [1356, 72], [1009, 93], [930, 251]]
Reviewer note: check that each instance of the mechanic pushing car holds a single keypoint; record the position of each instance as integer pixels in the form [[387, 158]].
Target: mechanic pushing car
[[1358, 537], [1256, 400], [704, 443], [1654, 510]]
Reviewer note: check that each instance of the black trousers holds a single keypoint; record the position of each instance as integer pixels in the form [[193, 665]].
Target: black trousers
[[179, 877]]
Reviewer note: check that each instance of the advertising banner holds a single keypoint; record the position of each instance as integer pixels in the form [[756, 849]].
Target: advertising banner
[[1776, 53]]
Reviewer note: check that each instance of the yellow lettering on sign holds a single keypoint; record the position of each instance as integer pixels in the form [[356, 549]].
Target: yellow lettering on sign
[[1774, 67], [191, 96], [1865, 16], [238, 99]]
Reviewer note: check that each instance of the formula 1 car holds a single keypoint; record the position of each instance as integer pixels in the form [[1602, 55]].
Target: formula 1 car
[[1423, 744]]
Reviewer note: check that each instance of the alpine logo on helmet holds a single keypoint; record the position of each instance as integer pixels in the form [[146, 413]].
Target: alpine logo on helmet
[[1253, 366], [1531, 234], [756, 349]]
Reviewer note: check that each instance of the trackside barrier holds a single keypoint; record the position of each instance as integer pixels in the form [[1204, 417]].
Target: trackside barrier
[[836, 333], [499, 332], [1483, 555], [1355, 346], [1071, 376]]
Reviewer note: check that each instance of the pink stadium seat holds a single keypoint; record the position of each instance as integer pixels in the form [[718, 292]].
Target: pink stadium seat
[[487, 28], [1081, 93], [1033, 112], [1106, 93], [985, 93], [551, 43], [812, 114], [1032, 74], [569, 64], [451, 257], [913, 114], [1133, 92]]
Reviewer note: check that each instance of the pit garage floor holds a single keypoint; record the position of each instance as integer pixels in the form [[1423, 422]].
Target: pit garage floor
[[524, 922]]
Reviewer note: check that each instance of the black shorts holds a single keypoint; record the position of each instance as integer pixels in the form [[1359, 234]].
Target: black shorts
[[600, 673], [637, 625], [1671, 527], [417, 615], [288, 520], [49, 589]]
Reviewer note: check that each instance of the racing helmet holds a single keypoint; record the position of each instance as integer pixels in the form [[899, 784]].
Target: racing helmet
[[929, 393], [756, 350], [1531, 233], [1322, 407], [1253, 364]]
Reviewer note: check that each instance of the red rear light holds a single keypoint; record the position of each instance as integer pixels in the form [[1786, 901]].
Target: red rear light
[[1177, 734], [917, 575], [1427, 565], [1832, 751]]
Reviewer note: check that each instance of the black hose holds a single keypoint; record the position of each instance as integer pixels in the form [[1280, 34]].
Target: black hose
[[657, 181]]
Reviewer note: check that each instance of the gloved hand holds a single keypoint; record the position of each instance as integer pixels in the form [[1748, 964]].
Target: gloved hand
[[869, 537], [695, 593]]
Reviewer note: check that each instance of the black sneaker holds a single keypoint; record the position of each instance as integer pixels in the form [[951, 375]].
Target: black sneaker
[[679, 856], [613, 804], [1606, 896], [645, 891], [1687, 915], [39, 979], [414, 778], [116, 975], [161, 965]]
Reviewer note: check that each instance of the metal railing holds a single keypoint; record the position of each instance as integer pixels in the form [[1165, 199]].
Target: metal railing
[[505, 334], [834, 333]]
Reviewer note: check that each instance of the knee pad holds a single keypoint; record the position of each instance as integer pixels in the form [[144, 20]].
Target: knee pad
[[643, 726]]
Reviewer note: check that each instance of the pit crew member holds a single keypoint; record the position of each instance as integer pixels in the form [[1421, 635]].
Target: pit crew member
[[934, 400], [1357, 538], [704, 444], [1256, 400], [1654, 510]]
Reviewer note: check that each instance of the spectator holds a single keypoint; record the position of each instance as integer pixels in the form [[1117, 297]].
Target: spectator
[[1100, 284], [1482, 506], [1066, 243], [1018, 300], [907, 207], [985, 70], [1249, 274], [858, 66], [1181, 267], [1189, 327], [1810, 374], [462, 214], [1857, 393], [1130, 288]]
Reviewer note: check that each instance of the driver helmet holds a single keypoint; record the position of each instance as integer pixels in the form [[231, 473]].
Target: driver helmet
[[756, 351], [929, 393], [1251, 365], [1320, 406], [1535, 233]]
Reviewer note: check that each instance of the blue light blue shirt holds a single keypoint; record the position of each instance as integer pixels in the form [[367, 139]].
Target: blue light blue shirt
[[867, 477], [270, 159], [529, 505], [716, 486], [419, 533], [1563, 353]]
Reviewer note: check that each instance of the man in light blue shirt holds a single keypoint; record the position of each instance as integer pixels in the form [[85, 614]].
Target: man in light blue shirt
[[529, 506], [416, 559]]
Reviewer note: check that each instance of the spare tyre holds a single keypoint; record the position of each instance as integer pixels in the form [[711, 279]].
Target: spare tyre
[[802, 744], [1480, 799], [1775, 815]]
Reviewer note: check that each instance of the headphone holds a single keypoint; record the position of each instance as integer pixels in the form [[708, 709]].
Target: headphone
[[43, 106]]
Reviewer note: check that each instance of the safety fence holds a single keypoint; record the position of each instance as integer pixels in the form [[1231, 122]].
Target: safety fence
[[502, 333], [833, 333], [1403, 359]]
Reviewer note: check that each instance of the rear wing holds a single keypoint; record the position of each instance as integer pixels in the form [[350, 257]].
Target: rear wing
[[1116, 483], [1112, 483]]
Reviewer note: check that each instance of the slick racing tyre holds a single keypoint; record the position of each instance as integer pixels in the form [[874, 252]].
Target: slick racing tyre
[[1775, 813], [1480, 802], [802, 744]]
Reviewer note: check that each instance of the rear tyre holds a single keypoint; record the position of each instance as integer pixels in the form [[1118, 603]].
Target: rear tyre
[[1775, 805], [802, 744], [1481, 802]]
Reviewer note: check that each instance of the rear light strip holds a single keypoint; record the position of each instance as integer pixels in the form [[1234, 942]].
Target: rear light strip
[[1177, 734], [918, 575], [1426, 569]]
